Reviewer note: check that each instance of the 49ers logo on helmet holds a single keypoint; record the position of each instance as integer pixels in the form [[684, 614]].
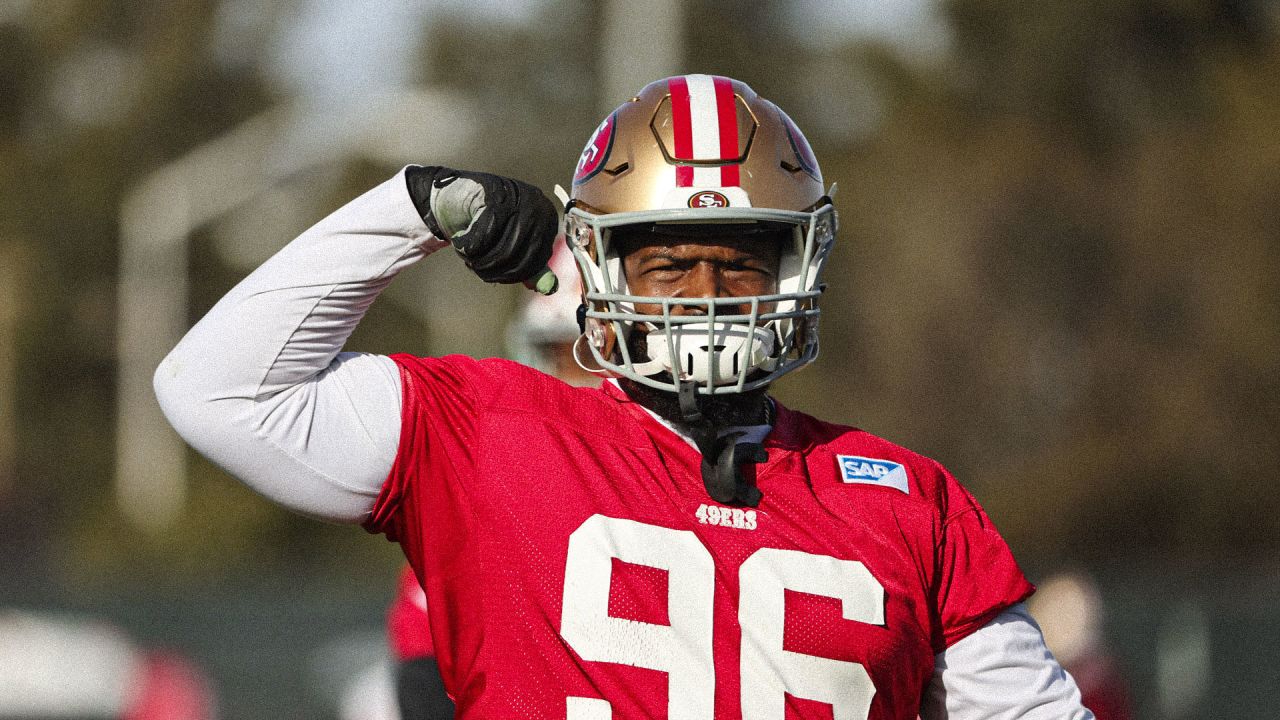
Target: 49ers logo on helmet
[[708, 199], [597, 150]]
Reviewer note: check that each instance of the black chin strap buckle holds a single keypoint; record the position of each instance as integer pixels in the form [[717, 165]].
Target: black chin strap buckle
[[722, 461]]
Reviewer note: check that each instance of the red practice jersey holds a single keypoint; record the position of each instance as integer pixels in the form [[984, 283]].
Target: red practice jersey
[[575, 567], [408, 633]]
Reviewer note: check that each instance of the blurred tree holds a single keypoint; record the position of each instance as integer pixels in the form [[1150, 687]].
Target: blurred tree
[[1116, 339], [537, 96], [95, 95], [1056, 262], [1055, 248]]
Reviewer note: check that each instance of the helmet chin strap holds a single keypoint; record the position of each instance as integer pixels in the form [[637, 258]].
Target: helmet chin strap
[[723, 457]]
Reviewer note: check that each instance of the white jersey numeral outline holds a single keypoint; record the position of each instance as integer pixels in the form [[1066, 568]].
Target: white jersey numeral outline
[[682, 649]]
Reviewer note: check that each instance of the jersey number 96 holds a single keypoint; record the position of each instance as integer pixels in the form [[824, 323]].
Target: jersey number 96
[[682, 649]]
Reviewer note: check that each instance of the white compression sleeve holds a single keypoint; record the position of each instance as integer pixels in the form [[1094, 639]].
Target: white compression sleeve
[[1003, 671], [259, 386]]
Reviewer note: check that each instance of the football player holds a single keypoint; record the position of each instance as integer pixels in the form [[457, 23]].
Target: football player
[[545, 334], [1068, 605], [55, 666], [672, 542], [420, 693]]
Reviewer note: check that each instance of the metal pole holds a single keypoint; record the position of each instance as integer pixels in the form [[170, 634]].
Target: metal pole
[[13, 263], [642, 41]]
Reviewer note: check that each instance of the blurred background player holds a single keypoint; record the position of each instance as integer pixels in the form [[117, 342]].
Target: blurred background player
[[420, 693], [63, 666], [542, 335], [1069, 609]]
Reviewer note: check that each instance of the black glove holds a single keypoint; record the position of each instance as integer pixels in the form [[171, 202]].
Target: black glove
[[502, 228]]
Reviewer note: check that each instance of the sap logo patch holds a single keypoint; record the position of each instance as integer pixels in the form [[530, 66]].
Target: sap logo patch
[[870, 471]]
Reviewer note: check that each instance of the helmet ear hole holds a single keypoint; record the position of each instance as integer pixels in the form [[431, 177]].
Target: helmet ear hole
[[600, 334]]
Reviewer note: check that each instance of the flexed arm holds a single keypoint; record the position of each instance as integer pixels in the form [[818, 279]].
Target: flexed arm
[[260, 385]]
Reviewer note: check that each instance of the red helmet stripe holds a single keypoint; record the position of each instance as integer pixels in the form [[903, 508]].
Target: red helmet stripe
[[682, 127], [727, 110]]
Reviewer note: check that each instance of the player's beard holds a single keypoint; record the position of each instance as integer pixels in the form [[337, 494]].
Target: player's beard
[[745, 408]]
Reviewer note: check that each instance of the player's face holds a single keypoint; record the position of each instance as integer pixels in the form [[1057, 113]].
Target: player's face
[[701, 266]]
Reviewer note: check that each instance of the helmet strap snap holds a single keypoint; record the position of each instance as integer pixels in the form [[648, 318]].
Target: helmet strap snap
[[688, 396]]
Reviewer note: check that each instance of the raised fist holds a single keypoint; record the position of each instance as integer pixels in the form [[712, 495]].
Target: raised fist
[[503, 228]]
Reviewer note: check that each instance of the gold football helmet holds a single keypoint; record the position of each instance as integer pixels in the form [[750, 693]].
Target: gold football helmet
[[701, 150]]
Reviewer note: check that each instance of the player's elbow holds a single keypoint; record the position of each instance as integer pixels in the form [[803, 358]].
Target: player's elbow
[[168, 386], [185, 398]]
